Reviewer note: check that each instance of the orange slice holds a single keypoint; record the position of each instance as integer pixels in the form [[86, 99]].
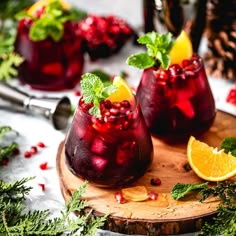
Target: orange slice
[[135, 194], [41, 3], [209, 163], [123, 91], [182, 49]]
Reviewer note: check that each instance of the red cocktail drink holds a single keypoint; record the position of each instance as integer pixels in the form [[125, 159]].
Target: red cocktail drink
[[50, 65], [112, 150], [177, 102]]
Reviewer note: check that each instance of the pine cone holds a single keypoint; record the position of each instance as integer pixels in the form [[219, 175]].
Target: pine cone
[[221, 34]]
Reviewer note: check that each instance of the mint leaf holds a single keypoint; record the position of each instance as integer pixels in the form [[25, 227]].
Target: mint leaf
[[158, 47], [94, 91], [180, 190], [141, 61], [229, 145]]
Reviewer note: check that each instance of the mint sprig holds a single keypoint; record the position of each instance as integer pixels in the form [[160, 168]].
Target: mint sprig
[[180, 190], [229, 145], [51, 22], [94, 91], [158, 47]]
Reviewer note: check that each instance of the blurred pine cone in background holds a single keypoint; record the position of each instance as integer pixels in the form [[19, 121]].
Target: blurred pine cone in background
[[221, 33]]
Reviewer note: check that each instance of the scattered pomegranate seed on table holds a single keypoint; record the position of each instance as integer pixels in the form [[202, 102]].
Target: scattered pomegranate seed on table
[[42, 187], [153, 195], [119, 197], [41, 144], [27, 154], [33, 150], [43, 166], [231, 98], [155, 181]]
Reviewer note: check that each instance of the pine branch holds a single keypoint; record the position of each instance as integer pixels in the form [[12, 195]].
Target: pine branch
[[14, 222], [224, 223]]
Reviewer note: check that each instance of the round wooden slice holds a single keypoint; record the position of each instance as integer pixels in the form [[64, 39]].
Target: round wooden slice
[[164, 215]]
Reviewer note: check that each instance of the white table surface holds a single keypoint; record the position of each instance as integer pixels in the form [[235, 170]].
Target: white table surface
[[33, 129]]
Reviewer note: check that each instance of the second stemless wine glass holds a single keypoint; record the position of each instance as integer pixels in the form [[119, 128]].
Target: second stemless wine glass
[[177, 102], [112, 150]]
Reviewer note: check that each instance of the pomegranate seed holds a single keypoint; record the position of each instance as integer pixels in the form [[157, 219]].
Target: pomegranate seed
[[33, 150], [42, 187], [153, 195], [43, 166], [41, 144], [5, 161], [77, 93], [119, 197], [231, 97], [16, 152], [27, 154], [155, 182]]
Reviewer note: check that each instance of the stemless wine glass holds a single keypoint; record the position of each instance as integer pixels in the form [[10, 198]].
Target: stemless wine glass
[[177, 102], [110, 151], [50, 65]]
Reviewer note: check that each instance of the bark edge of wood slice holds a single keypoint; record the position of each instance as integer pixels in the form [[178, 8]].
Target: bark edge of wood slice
[[154, 217]]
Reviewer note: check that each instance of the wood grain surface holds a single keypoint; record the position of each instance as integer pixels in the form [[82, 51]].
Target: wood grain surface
[[164, 215]]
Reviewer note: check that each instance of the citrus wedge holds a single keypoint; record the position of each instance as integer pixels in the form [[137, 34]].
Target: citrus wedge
[[123, 91], [182, 49], [209, 163], [41, 3]]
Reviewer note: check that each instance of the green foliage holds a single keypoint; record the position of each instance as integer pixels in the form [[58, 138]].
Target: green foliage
[[15, 221], [94, 91], [8, 65], [229, 145], [6, 150], [158, 47], [224, 223], [181, 190], [51, 22], [9, 61]]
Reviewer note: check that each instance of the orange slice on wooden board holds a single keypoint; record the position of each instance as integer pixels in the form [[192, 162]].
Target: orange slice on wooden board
[[123, 91], [41, 3], [209, 163], [182, 49], [135, 194]]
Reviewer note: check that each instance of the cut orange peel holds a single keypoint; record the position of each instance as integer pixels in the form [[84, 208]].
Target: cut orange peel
[[123, 91], [182, 49], [209, 163], [41, 3]]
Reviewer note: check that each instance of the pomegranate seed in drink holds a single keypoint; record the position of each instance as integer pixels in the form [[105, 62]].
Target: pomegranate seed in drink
[[112, 150], [177, 102]]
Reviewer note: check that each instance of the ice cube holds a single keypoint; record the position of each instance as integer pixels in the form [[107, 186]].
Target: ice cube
[[98, 162], [99, 146]]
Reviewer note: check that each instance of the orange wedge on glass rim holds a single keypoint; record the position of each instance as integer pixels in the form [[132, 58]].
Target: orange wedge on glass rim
[[182, 49], [123, 91], [209, 163], [41, 3]]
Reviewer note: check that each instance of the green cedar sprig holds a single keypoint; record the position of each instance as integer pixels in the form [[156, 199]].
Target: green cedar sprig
[[94, 91], [224, 223], [158, 47], [51, 22], [15, 221], [6, 150]]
